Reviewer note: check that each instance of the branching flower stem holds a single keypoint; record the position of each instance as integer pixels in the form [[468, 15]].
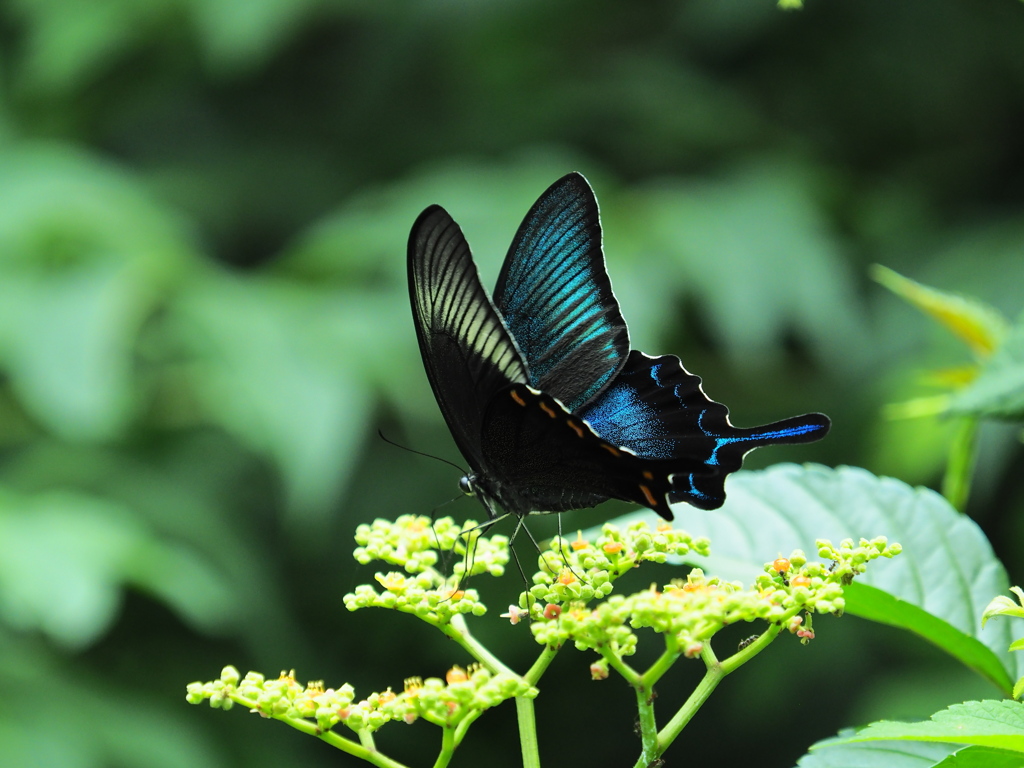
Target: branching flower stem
[[615, 661], [448, 745], [654, 746], [365, 750], [458, 631], [540, 666]]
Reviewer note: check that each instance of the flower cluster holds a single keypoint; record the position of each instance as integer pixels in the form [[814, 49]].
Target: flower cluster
[[414, 544], [428, 596], [690, 612], [579, 570], [686, 612], [442, 702]]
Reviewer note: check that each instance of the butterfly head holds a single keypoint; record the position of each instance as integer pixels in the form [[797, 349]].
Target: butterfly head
[[471, 485]]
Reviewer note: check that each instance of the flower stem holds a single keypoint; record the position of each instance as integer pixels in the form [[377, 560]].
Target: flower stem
[[663, 664], [615, 661], [528, 732], [534, 673], [653, 748], [714, 675], [370, 755], [447, 747], [458, 631], [740, 658], [463, 726]]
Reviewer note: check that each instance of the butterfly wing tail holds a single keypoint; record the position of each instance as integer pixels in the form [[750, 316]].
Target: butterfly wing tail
[[706, 490]]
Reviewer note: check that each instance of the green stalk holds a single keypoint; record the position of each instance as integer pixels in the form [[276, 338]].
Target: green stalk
[[663, 664], [543, 661], [654, 747], [528, 732], [956, 483], [714, 675], [447, 747], [463, 726], [370, 755], [458, 631]]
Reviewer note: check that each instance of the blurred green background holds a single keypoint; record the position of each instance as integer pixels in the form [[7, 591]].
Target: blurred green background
[[204, 206]]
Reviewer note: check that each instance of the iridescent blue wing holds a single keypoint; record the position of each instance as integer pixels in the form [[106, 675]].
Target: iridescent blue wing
[[556, 299], [468, 353], [657, 409]]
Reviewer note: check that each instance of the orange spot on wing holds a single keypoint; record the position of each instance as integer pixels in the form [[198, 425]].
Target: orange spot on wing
[[648, 475], [517, 398], [544, 407], [613, 451], [649, 496], [576, 428]]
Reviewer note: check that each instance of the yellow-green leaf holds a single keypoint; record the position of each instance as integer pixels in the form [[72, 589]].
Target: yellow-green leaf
[[976, 323]]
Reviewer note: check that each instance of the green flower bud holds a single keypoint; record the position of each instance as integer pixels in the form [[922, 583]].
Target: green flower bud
[[356, 718], [195, 693]]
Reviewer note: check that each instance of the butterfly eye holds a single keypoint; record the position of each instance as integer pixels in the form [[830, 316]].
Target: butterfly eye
[[467, 486]]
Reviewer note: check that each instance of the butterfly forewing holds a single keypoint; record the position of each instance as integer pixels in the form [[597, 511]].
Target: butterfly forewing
[[468, 353], [556, 298]]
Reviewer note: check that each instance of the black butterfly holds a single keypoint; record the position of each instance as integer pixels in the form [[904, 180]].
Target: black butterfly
[[539, 387]]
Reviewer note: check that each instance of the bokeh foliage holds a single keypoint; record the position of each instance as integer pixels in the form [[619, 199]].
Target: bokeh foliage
[[204, 319]]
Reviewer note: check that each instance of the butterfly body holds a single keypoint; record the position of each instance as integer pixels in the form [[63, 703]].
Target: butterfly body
[[539, 387]]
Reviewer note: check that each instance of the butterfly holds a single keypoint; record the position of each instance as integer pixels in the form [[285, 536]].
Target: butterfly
[[538, 384]]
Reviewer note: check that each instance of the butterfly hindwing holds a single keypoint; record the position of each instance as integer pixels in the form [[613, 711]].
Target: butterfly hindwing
[[468, 353], [548, 459], [657, 409], [556, 298]]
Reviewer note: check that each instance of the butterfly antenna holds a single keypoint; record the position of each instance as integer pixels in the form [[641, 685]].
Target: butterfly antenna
[[420, 453]]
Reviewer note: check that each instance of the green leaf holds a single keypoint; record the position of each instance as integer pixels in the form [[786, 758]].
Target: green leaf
[[998, 724], [101, 724], [875, 605], [754, 248], [980, 326], [68, 41], [282, 367], [239, 34], [999, 389], [85, 258], [907, 439], [981, 757], [947, 568], [92, 548], [1001, 605], [836, 753]]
